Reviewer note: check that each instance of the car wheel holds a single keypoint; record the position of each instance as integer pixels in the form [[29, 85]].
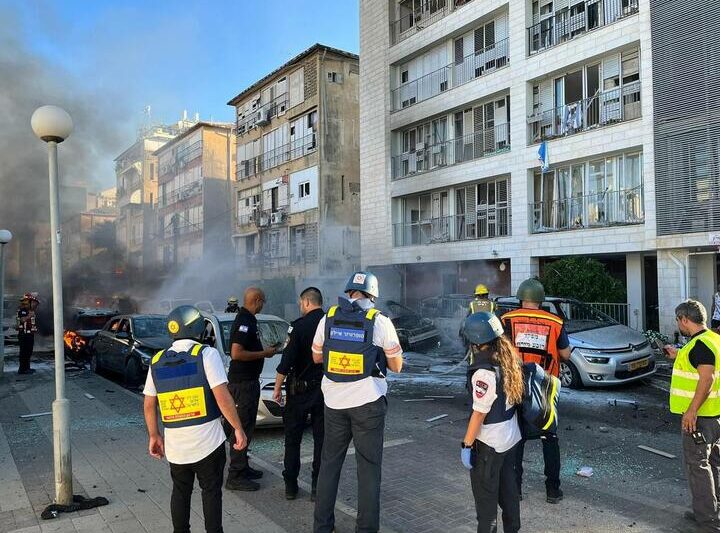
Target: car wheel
[[94, 364], [133, 373], [569, 375]]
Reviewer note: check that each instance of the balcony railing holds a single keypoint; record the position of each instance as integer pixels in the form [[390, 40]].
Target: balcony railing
[[183, 193], [488, 222], [183, 158], [603, 209], [602, 109], [430, 12], [277, 156], [450, 76], [263, 114], [452, 152], [587, 16]]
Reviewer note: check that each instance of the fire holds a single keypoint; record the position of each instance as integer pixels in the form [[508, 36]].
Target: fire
[[73, 341]]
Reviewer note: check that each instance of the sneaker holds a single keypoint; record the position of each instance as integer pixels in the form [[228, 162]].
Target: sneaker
[[251, 473], [291, 490], [243, 484], [554, 495]]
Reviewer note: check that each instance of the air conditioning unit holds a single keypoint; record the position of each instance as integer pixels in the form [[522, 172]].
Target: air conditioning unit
[[276, 218], [263, 118]]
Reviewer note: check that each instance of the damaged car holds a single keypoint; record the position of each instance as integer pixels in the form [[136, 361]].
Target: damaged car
[[81, 326], [414, 331]]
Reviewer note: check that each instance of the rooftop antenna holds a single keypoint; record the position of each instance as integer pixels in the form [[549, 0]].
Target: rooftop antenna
[[147, 120]]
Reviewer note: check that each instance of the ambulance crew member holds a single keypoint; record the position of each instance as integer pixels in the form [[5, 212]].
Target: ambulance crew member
[[188, 382], [493, 434]]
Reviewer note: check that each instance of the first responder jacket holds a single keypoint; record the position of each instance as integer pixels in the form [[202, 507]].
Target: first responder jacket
[[535, 333], [348, 351], [499, 411], [481, 305], [184, 394], [685, 378]]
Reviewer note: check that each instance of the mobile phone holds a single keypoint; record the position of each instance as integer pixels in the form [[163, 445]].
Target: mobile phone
[[698, 438]]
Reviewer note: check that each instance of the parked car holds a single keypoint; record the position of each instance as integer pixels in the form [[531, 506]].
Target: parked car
[[446, 306], [414, 331], [82, 324], [126, 345], [273, 330], [10, 307], [603, 351]]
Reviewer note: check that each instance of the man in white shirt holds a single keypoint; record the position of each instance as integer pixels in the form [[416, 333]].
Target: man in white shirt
[[189, 385], [356, 346]]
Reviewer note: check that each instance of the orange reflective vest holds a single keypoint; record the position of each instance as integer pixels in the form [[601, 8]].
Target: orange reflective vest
[[535, 333]]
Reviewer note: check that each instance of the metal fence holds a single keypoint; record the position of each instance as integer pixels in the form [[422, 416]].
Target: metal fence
[[488, 222], [616, 311], [262, 114], [277, 156]]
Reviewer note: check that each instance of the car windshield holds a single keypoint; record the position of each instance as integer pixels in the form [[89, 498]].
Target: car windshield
[[582, 317], [150, 327], [272, 332], [92, 321]]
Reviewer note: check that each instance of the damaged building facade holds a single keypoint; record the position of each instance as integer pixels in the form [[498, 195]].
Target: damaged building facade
[[297, 189], [194, 185], [457, 96]]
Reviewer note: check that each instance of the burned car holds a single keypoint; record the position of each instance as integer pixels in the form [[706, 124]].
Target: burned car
[[414, 331], [81, 326]]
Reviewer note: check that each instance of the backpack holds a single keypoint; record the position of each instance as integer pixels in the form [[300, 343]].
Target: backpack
[[539, 405]]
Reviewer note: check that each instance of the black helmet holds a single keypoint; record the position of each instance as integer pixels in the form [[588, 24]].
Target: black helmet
[[531, 290], [186, 322], [482, 328]]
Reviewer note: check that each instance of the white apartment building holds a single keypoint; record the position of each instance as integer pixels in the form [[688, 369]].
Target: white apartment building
[[456, 97]]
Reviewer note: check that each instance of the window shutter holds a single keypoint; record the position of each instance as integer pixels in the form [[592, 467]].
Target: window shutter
[[283, 195], [489, 33], [297, 87], [611, 67], [459, 50], [479, 39], [501, 27], [559, 5]]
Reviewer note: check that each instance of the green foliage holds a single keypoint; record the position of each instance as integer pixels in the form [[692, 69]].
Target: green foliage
[[583, 278]]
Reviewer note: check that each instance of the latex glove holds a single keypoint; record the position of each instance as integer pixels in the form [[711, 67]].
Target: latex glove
[[465, 457]]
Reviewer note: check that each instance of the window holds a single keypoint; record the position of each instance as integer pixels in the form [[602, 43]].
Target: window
[[404, 76], [335, 77], [630, 67], [304, 189]]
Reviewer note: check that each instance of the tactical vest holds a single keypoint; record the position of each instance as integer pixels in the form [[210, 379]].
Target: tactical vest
[[348, 352], [482, 305], [535, 333], [685, 378], [184, 394], [498, 411]]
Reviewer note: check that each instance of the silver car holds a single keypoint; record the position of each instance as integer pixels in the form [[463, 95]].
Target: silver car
[[273, 330], [603, 351]]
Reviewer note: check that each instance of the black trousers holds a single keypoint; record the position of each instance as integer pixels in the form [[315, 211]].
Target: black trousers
[[365, 426], [27, 343], [551, 457], [247, 397], [493, 482], [209, 472], [297, 409]]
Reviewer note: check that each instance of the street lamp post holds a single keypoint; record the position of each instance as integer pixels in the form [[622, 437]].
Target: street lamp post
[[53, 125], [5, 237]]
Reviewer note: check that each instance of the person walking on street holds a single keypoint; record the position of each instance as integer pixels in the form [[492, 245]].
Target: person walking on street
[[302, 377], [26, 327], [356, 345], [189, 385], [493, 434], [247, 359], [715, 312], [540, 337], [695, 394]]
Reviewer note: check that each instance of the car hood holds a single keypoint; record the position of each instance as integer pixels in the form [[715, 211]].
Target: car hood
[[154, 343], [410, 322], [607, 338], [87, 333]]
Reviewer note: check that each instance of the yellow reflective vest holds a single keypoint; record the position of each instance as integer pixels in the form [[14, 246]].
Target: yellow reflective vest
[[685, 378], [480, 305]]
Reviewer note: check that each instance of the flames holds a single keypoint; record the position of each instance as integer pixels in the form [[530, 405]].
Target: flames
[[74, 341]]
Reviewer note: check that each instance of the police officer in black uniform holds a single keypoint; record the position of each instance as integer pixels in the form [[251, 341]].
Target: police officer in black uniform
[[247, 360], [304, 396]]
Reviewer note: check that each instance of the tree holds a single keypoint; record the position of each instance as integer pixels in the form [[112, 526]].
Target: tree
[[583, 278]]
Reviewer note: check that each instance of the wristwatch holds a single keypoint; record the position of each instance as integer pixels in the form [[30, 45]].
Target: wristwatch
[[465, 446]]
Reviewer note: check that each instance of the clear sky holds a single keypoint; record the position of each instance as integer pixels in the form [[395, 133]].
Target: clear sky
[[176, 54]]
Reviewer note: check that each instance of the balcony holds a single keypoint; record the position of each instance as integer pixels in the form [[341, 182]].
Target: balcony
[[598, 210], [420, 14], [181, 194], [570, 23], [183, 158], [604, 109], [263, 114], [451, 76], [488, 222], [452, 152], [277, 156]]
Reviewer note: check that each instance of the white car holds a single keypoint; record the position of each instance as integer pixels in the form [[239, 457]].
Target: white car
[[273, 330]]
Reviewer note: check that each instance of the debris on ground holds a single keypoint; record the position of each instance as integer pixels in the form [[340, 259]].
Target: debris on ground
[[142, 490], [603, 429], [657, 452], [433, 419], [615, 402], [585, 471], [33, 415], [89, 396]]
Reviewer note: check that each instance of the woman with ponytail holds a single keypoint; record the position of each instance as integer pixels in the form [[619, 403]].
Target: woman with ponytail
[[492, 436]]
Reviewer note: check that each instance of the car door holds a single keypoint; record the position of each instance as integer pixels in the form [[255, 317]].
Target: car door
[[101, 342], [120, 346]]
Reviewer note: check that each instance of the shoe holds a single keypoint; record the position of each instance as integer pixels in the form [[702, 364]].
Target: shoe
[[242, 484], [689, 515], [291, 490], [554, 495], [251, 473]]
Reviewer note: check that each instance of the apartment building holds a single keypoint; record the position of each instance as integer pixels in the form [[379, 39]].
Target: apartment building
[[194, 185], [297, 178], [458, 96]]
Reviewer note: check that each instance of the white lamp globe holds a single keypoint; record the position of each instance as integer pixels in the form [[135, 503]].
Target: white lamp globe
[[5, 236], [51, 123]]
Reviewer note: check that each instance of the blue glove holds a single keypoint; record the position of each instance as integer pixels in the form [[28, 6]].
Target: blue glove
[[465, 455]]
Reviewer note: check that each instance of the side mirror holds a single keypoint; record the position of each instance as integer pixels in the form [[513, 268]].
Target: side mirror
[[122, 335]]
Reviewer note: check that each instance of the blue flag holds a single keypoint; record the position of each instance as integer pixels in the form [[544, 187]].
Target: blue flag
[[543, 157]]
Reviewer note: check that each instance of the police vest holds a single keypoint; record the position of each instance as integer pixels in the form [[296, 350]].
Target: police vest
[[348, 352], [498, 411], [483, 305], [685, 378], [184, 394], [535, 333]]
